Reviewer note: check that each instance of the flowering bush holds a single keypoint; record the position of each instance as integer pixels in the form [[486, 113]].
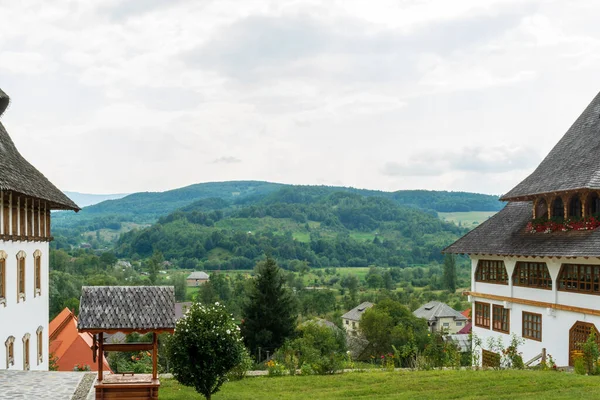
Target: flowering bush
[[206, 346], [274, 368], [81, 367], [547, 226]]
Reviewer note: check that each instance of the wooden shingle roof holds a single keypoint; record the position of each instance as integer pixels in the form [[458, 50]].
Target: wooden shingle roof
[[505, 234], [127, 308], [574, 163], [20, 176]]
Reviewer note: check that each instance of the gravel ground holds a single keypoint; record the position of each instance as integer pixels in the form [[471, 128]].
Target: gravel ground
[[81, 393]]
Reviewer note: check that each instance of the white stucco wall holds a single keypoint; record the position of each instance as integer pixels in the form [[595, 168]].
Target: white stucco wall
[[18, 319], [452, 325], [555, 323]]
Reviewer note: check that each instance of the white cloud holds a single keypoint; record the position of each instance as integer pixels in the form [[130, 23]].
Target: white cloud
[[386, 94]]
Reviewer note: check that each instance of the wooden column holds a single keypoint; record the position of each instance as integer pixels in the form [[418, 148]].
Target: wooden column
[[566, 206], [535, 203], [584, 205], [10, 214], [100, 355], [154, 355], [549, 205]]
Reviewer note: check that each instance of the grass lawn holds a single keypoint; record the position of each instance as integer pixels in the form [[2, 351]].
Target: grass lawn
[[404, 385], [467, 219]]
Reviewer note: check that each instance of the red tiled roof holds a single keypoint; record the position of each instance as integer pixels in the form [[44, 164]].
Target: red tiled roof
[[69, 346], [467, 313], [466, 329]]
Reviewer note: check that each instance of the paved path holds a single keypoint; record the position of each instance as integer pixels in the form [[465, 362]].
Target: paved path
[[38, 385]]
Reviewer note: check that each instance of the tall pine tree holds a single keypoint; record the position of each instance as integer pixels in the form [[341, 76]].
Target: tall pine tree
[[450, 273], [269, 316]]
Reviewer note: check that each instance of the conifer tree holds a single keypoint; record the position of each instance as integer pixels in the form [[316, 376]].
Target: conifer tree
[[269, 316], [450, 273]]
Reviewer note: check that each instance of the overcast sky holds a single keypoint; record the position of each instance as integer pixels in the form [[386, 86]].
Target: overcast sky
[[121, 96]]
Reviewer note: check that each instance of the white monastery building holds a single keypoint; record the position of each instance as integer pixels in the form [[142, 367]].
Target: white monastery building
[[26, 198], [535, 265]]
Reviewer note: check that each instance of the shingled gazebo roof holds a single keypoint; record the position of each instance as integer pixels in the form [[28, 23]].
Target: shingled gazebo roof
[[574, 163], [127, 308], [20, 176]]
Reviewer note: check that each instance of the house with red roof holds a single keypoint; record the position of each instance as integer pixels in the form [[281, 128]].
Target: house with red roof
[[70, 347]]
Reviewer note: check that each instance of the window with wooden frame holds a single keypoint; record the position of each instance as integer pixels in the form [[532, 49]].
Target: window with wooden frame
[[532, 326], [26, 364], [37, 263], [532, 274], [40, 345], [500, 319], [491, 271], [10, 351], [580, 278], [20, 276], [482, 315]]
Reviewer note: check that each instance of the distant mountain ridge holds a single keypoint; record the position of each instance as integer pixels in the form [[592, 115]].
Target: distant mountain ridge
[[148, 207], [89, 199]]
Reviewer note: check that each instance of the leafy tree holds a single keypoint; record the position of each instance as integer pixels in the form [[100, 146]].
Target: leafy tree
[[269, 316], [389, 323], [206, 345], [180, 284], [450, 273]]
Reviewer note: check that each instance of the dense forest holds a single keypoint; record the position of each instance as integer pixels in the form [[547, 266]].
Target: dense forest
[[320, 227], [141, 209]]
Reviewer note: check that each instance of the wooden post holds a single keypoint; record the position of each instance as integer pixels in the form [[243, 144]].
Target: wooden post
[[154, 356], [566, 206], [549, 205], [584, 205], [544, 355], [535, 203], [100, 355]]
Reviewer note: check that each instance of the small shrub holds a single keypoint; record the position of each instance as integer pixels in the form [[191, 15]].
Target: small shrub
[[239, 371], [275, 369], [579, 365], [591, 353]]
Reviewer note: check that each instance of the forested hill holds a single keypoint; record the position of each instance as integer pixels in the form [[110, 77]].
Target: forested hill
[[316, 225], [147, 207]]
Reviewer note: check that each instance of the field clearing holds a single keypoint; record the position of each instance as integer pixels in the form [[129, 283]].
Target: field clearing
[[468, 219], [465, 385]]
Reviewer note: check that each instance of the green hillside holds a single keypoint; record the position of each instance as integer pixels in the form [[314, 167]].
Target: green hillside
[[314, 225], [147, 207]]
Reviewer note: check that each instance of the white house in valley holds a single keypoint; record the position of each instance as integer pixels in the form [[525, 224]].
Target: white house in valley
[[26, 198], [351, 320], [536, 264], [441, 317]]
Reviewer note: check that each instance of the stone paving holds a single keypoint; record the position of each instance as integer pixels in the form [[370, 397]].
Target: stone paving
[[38, 385]]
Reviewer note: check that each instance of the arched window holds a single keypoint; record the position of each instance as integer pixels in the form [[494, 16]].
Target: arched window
[[26, 364], [541, 209], [558, 209], [532, 274], [10, 351], [37, 265], [593, 204], [581, 278], [21, 276], [575, 207], [40, 344], [491, 271], [3, 277]]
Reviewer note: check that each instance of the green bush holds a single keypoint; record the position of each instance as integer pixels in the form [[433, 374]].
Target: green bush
[[205, 347]]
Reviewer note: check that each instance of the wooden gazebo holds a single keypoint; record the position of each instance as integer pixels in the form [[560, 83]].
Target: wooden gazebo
[[127, 309]]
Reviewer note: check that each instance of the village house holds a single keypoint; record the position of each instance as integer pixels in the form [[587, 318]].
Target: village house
[[351, 319], [197, 278], [535, 265], [441, 317], [26, 198], [69, 347]]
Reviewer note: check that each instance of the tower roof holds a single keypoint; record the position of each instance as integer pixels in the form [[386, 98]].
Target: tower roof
[[572, 164], [18, 175]]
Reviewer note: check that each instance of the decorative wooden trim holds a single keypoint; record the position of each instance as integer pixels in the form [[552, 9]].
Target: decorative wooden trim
[[111, 331], [128, 346], [534, 303]]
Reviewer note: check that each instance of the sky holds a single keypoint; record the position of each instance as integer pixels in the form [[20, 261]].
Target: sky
[[120, 96]]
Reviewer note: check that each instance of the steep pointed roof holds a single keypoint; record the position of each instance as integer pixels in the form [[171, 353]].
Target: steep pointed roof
[[18, 175], [574, 162]]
